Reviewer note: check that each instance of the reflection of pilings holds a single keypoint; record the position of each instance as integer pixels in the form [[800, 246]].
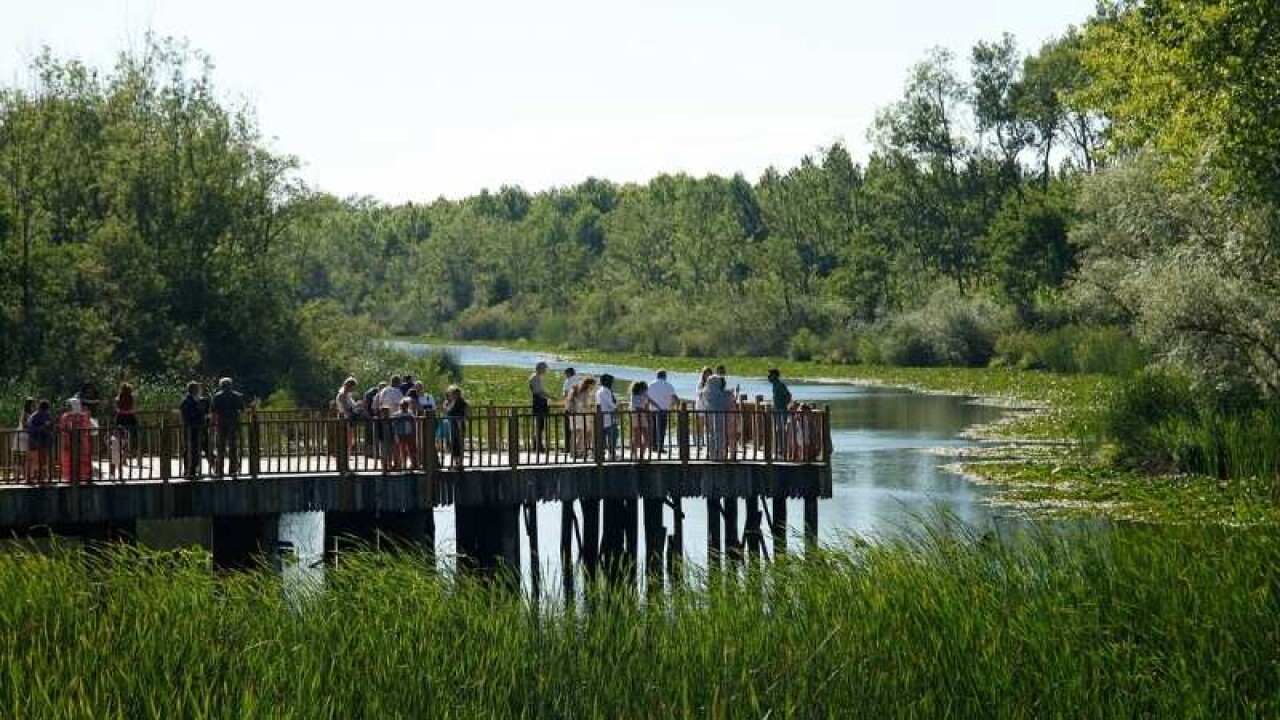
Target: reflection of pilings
[[535, 565], [241, 542], [489, 541], [713, 534], [753, 535], [412, 530], [779, 525], [811, 522], [567, 522], [617, 540], [732, 541], [591, 536], [675, 550]]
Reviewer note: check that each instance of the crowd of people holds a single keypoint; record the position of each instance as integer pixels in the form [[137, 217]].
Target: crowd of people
[[716, 418], [388, 413]]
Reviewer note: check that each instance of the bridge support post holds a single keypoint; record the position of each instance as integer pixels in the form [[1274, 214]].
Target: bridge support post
[[811, 523], [567, 521], [489, 540], [591, 536], [675, 550], [655, 540], [753, 534], [779, 525], [535, 564], [242, 541], [732, 541], [713, 534], [618, 541]]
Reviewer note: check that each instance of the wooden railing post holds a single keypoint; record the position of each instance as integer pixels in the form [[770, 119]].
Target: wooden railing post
[[770, 433], [342, 434], [682, 433], [255, 446], [513, 438], [491, 425], [431, 457], [826, 434], [162, 452], [597, 436]]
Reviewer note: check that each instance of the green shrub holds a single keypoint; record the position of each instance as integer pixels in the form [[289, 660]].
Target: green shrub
[[804, 345], [1072, 349]]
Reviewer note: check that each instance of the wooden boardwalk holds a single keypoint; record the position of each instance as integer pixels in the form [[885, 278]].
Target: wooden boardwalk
[[486, 469]]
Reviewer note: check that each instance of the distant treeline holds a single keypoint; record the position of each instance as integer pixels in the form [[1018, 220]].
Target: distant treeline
[[1103, 201]]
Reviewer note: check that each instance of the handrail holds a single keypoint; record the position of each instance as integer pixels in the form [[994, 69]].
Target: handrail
[[491, 437]]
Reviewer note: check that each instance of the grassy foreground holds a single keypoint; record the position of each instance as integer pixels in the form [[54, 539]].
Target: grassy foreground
[[1169, 623]]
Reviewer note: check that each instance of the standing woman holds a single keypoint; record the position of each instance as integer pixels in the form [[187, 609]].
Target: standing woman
[[580, 404], [40, 437], [700, 407], [22, 446], [640, 406], [456, 411], [75, 430], [127, 417], [717, 405]]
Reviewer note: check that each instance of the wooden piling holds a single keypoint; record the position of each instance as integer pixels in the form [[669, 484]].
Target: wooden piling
[[811, 522], [655, 541], [779, 528], [732, 540], [567, 518], [753, 534], [535, 564], [713, 533], [591, 536]]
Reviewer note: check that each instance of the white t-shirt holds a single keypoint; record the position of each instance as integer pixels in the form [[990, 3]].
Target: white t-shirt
[[390, 398], [662, 394], [569, 384], [607, 404], [426, 401]]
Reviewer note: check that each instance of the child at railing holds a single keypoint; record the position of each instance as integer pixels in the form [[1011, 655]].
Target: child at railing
[[640, 418], [405, 422], [117, 451]]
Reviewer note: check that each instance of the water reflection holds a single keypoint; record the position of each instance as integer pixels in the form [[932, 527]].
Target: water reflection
[[884, 478]]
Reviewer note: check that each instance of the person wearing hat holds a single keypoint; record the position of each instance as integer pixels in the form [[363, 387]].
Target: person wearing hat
[[75, 427], [608, 404]]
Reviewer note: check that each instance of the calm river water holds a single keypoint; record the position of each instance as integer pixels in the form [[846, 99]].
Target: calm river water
[[885, 477]]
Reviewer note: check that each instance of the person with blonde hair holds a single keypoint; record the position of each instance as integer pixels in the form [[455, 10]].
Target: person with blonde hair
[[580, 406]]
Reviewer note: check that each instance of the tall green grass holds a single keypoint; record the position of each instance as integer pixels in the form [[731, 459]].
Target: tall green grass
[[1155, 623]]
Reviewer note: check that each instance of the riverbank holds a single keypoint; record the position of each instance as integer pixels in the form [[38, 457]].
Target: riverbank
[[1042, 457], [1135, 622]]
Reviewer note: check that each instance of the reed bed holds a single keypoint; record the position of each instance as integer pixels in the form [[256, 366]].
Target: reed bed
[[1171, 622]]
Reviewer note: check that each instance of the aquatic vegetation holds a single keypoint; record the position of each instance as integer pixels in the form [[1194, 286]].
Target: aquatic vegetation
[[1172, 622]]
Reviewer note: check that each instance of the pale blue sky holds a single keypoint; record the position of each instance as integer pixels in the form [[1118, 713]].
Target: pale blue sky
[[411, 100]]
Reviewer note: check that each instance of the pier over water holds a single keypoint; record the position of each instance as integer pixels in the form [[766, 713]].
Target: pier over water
[[613, 476]]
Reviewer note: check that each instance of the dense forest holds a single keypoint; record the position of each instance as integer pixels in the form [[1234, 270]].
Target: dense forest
[[1100, 203]]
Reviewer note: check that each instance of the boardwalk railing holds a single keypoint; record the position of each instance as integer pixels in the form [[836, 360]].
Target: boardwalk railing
[[491, 437]]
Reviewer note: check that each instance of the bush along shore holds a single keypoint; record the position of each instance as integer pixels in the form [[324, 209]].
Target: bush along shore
[[1155, 622]]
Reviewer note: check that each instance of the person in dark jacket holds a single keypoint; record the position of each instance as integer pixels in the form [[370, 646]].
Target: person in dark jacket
[[193, 430], [227, 406]]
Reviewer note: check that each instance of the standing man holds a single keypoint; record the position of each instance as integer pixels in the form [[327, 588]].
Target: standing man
[[541, 407], [781, 409], [227, 406], [570, 382], [608, 405], [194, 432], [664, 397]]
